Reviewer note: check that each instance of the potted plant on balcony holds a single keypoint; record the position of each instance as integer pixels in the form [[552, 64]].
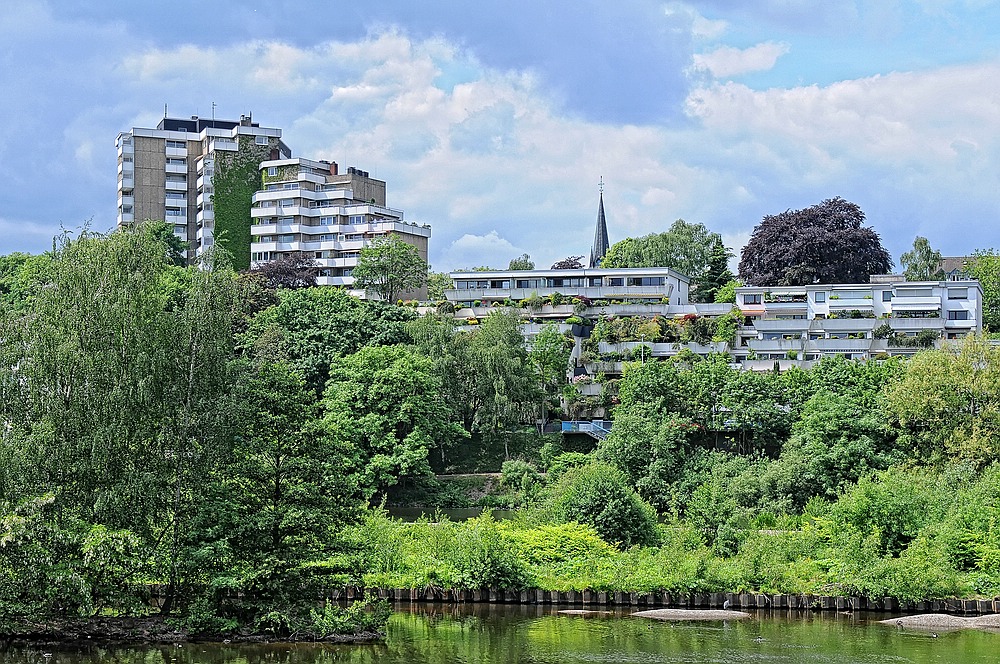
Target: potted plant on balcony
[[581, 327]]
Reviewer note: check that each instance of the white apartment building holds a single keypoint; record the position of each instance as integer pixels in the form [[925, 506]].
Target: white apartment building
[[658, 285], [310, 207], [796, 325], [166, 173]]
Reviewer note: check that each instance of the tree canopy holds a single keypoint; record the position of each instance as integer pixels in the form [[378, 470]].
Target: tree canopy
[[985, 266], [922, 263], [389, 266], [522, 262], [690, 249], [824, 243]]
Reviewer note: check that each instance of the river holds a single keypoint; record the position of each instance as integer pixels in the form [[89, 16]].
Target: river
[[498, 634]]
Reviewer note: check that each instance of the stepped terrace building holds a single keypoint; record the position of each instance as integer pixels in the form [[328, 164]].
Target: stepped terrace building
[[310, 207], [166, 173], [795, 325], [658, 285]]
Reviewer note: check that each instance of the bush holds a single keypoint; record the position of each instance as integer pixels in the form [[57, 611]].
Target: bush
[[483, 557], [599, 495]]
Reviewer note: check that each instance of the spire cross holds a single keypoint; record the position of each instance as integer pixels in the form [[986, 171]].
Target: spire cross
[[600, 185]]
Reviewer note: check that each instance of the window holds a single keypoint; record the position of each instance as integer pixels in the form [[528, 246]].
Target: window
[[176, 212], [887, 296], [326, 221], [272, 171], [176, 144], [962, 314], [645, 281], [286, 202], [595, 281], [958, 293], [751, 298], [261, 140], [286, 238], [616, 281], [820, 296]]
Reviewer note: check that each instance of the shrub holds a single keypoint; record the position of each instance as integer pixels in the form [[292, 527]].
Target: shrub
[[599, 495], [483, 557]]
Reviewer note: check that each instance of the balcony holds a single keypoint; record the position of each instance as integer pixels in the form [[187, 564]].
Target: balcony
[[126, 167], [775, 345], [774, 325], [125, 217], [176, 152], [223, 144], [175, 168], [206, 215], [845, 346], [916, 324], [126, 183]]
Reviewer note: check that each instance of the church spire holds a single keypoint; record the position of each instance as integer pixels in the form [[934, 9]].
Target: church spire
[[601, 244]]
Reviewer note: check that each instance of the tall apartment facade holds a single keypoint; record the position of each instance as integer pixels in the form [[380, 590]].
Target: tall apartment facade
[[309, 207], [166, 173]]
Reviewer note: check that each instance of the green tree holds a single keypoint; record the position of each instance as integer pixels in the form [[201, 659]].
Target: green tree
[[726, 294], [284, 486], [311, 327], [549, 357], [389, 266], [835, 442], [684, 247], [21, 277], [948, 403], [824, 244], [163, 233], [922, 263], [385, 404], [599, 496], [522, 262], [112, 386], [437, 284], [985, 267], [504, 389], [716, 275]]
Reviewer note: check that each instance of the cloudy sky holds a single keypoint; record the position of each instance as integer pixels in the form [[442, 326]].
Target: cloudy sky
[[494, 121]]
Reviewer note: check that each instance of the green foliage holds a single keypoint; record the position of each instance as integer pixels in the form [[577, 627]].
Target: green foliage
[[437, 284], [522, 262], [985, 267], [922, 263], [236, 180], [384, 407], [388, 266], [483, 557], [311, 327], [685, 247], [599, 495], [727, 292]]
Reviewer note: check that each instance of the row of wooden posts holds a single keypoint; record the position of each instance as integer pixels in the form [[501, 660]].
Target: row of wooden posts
[[595, 598]]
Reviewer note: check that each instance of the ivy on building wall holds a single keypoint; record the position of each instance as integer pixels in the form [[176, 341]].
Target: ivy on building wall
[[283, 174], [236, 179]]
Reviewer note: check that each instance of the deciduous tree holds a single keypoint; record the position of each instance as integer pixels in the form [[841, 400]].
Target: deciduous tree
[[388, 267], [921, 263], [824, 243]]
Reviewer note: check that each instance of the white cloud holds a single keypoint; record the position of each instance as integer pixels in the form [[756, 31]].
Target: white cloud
[[471, 251], [726, 61]]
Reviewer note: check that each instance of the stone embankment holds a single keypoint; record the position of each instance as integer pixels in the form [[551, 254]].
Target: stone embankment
[[592, 599]]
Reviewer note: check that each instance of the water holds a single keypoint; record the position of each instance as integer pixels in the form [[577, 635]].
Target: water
[[497, 634]]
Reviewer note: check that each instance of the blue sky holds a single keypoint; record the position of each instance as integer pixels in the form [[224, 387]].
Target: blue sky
[[494, 122]]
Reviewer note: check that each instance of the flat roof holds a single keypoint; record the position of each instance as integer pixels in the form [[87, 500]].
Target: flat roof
[[582, 272]]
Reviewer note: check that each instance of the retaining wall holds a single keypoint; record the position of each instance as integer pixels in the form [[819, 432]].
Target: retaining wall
[[674, 600]]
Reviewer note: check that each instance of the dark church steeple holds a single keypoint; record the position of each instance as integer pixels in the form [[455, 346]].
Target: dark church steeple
[[601, 244]]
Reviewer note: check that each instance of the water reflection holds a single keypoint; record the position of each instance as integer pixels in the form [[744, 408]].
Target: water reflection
[[500, 634]]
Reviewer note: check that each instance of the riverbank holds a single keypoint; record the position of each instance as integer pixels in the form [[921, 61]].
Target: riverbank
[[149, 630], [757, 601]]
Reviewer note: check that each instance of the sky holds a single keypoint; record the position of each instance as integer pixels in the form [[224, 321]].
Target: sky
[[494, 122]]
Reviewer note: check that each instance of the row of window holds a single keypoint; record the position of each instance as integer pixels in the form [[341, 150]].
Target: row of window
[[820, 296], [560, 282]]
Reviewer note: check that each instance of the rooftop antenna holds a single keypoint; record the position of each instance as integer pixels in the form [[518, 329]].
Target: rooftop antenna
[[213, 113], [164, 110], [600, 185]]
